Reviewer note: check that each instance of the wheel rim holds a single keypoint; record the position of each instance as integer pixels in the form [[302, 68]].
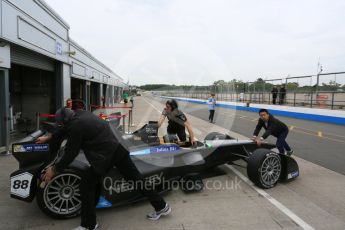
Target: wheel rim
[[270, 170], [62, 194]]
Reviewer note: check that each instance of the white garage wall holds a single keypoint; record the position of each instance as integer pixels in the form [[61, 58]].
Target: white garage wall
[[85, 66], [34, 25], [29, 24]]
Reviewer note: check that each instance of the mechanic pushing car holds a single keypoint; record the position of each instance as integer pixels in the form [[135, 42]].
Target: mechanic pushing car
[[93, 135], [177, 123], [273, 127]]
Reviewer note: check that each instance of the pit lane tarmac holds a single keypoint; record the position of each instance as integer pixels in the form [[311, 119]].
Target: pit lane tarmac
[[316, 200]]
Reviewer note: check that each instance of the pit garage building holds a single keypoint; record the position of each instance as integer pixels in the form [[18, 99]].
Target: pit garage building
[[41, 67]]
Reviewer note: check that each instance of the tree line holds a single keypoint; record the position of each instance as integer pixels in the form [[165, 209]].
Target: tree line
[[239, 86]]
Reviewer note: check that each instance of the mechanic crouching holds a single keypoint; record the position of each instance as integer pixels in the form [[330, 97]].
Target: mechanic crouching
[[273, 127], [102, 149], [177, 123]]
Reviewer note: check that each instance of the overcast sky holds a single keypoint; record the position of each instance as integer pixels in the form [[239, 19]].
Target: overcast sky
[[200, 41]]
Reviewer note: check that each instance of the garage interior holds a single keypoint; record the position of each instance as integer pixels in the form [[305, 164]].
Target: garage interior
[[78, 89], [94, 93], [105, 93], [32, 91]]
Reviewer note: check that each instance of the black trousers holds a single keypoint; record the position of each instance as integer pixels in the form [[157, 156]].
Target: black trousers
[[90, 186], [210, 117], [281, 144], [281, 99], [180, 132]]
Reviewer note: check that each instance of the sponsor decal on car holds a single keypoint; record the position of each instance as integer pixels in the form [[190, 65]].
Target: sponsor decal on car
[[293, 175], [156, 149], [165, 148], [30, 148]]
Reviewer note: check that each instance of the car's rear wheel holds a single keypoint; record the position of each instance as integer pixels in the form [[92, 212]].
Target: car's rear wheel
[[264, 168], [60, 198]]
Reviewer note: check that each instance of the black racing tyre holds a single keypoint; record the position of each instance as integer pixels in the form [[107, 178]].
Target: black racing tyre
[[60, 198], [216, 136], [264, 168]]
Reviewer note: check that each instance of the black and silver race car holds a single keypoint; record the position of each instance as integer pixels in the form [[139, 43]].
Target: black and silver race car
[[162, 161]]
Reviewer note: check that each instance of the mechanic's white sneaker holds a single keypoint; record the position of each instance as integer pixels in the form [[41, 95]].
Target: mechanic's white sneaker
[[82, 228], [289, 153], [155, 215]]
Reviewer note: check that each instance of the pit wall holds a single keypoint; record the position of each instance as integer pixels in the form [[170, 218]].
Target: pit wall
[[312, 114]]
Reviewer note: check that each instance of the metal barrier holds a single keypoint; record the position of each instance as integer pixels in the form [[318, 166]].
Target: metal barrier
[[7, 151], [329, 100], [130, 113], [129, 116]]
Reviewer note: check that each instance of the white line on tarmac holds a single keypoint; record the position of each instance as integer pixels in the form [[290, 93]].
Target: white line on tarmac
[[159, 111], [273, 201]]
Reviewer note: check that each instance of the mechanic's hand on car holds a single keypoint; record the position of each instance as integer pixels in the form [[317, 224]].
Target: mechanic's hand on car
[[258, 141], [43, 139], [193, 141], [48, 174]]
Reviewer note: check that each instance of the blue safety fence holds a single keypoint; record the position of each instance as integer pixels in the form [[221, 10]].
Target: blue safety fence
[[293, 114]]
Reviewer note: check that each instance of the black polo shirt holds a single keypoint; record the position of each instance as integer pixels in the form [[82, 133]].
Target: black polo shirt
[[176, 119]]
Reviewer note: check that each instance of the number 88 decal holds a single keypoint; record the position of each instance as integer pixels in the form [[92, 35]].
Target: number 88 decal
[[23, 184]]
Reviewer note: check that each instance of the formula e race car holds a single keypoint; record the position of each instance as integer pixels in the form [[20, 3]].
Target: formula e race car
[[162, 161]]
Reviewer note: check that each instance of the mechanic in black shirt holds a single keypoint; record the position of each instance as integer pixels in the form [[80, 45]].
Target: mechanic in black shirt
[[177, 123], [273, 127], [102, 149]]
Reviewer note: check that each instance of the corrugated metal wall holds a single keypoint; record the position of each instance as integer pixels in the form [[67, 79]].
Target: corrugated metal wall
[[26, 57]]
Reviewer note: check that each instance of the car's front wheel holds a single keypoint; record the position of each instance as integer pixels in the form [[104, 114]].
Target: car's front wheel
[[60, 198], [264, 168]]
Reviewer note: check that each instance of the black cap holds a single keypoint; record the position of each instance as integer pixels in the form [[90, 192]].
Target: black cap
[[64, 115]]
